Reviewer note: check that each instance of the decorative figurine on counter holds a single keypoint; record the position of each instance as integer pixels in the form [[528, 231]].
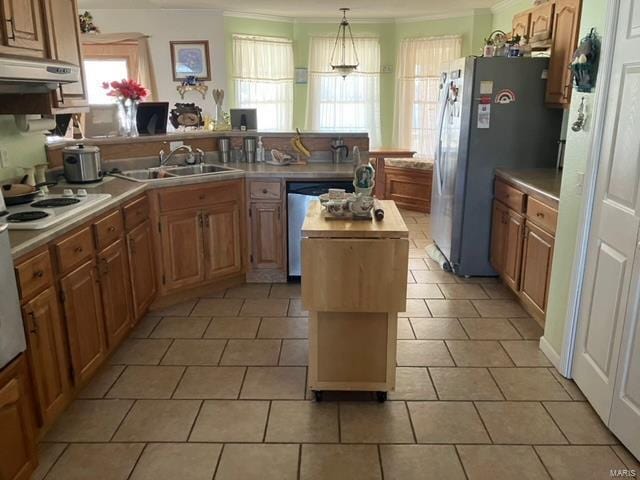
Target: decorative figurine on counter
[[364, 175], [192, 84], [222, 120], [186, 115], [585, 62]]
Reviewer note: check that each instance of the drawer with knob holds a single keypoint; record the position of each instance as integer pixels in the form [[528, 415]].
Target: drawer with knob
[[197, 196], [136, 212], [74, 250], [108, 229], [265, 191], [510, 196], [542, 215], [34, 275]]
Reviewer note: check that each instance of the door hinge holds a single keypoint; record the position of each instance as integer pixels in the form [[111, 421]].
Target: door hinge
[[72, 372]]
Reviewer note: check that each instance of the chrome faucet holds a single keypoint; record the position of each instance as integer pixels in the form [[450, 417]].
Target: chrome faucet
[[164, 158]]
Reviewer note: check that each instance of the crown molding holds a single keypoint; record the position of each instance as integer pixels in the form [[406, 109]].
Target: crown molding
[[503, 5], [258, 16], [436, 16]]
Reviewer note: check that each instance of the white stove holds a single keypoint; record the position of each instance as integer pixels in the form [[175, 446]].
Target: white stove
[[50, 209]]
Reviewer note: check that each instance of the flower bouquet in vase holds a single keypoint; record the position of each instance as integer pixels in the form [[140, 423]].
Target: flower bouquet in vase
[[128, 94]]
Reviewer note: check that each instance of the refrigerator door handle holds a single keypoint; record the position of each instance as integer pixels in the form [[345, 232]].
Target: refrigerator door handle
[[438, 153]]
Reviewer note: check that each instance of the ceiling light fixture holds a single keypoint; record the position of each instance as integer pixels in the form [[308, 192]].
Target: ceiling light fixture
[[341, 64]]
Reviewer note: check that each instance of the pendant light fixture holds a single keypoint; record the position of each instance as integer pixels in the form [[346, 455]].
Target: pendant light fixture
[[344, 58]]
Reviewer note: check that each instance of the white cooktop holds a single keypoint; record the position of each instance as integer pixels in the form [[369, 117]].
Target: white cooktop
[[54, 215]]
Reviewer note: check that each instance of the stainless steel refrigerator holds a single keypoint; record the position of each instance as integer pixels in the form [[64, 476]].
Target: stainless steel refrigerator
[[491, 115]]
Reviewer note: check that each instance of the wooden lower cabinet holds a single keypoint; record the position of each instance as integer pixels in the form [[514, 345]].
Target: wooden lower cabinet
[[182, 249], [141, 268], [267, 251], [410, 188], [536, 267], [513, 249], [18, 457], [115, 289], [47, 353], [222, 240], [498, 222], [85, 323]]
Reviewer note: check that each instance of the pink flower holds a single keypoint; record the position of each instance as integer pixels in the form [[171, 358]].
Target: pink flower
[[128, 89]]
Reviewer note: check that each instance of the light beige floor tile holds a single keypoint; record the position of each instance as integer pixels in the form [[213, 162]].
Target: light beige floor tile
[[422, 243], [258, 462], [503, 462], [499, 308], [217, 307], [194, 352], [146, 382], [233, 327], [284, 327], [420, 462], [145, 326], [230, 421], [172, 461], [528, 384], [89, 421], [478, 280], [417, 253], [104, 461], [340, 462], [478, 353], [214, 293], [48, 454], [134, 351], [580, 423], [451, 308], [210, 383], [447, 422], [629, 460], [498, 291], [102, 382], [527, 327], [296, 309], [294, 353], [433, 276], [158, 421], [417, 263], [463, 291], [255, 290], [489, 328], [569, 385], [423, 290], [370, 422], [285, 290], [251, 352], [268, 383], [465, 384], [405, 332], [423, 353], [416, 307], [413, 383], [179, 310], [181, 327], [437, 328], [519, 423], [410, 278], [573, 462], [302, 422], [273, 307], [526, 353]]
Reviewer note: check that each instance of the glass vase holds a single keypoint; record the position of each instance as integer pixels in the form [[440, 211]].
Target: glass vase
[[127, 113]]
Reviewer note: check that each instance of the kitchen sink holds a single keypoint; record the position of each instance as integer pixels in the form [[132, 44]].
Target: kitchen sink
[[153, 174]]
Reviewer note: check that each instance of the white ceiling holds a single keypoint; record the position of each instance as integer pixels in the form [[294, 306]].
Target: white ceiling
[[308, 9]]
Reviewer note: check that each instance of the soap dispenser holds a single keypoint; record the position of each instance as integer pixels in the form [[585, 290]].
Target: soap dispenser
[[260, 151]]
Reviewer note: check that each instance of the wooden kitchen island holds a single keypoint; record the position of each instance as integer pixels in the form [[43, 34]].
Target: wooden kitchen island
[[354, 283]]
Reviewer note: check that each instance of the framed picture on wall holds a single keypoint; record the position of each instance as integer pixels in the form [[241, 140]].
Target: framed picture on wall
[[190, 58]]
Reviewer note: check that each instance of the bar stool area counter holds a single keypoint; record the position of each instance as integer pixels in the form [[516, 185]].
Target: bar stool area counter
[[354, 283]]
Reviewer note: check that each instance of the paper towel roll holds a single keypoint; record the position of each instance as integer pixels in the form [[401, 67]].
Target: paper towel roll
[[34, 125]]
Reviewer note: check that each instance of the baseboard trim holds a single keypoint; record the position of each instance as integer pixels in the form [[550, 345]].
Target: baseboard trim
[[550, 352]]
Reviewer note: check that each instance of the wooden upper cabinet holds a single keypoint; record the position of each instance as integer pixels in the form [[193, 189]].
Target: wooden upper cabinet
[[141, 268], [542, 22], [115, 288], [566, 27], [223, 240], [47, 349], [63, 39], [18, 457], [22, 28], [182, 249], [521, 24], [536, 267], [85, 324], [267, 247]]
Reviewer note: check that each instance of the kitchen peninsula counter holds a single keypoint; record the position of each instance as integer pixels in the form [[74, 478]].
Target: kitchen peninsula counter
[[540, 183]]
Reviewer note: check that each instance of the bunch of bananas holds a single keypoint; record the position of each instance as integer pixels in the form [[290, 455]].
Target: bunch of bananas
[[298, 146]]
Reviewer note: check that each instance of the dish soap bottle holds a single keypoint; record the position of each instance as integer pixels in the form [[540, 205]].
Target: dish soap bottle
[[260, 151]]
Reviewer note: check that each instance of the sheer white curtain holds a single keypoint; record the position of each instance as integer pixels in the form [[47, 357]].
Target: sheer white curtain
[[348, 105], [420, 63], [263, 79]]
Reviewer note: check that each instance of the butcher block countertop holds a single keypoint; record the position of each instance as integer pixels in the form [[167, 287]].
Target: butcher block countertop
[[317, 226]]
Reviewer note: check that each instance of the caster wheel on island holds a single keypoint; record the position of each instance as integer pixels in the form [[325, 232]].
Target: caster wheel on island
[[381, 396], [317, 394]]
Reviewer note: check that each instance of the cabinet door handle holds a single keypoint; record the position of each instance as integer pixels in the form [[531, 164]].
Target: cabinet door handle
[[264, 191], [111, 229], [38, 274], [206, 221], [12, 24], [200, 220], [34, 322], [565, 91], [278, 212], [78, 250], [540, 214]]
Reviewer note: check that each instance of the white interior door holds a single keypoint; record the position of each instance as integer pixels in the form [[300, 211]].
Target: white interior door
[[608, 317]]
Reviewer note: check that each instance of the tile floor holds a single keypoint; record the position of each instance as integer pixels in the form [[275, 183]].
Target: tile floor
[[216, 388]]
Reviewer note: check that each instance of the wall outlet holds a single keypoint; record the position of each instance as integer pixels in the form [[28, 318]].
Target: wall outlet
[[579, 183], [176, 144], [4, 158], [387, 69]]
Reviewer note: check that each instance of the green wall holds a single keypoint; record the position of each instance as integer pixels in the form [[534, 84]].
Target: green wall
[[503, 17], [571, 198], [24, 149]]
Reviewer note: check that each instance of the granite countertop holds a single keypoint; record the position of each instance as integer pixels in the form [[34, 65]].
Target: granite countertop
[[416, 163], [541, 183]]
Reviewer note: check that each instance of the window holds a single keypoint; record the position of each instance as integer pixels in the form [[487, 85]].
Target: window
[[420, 62], [263, 79], [106, 63], [351, 104]]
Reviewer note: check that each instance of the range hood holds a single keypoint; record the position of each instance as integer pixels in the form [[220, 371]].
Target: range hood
[[27, 75]]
